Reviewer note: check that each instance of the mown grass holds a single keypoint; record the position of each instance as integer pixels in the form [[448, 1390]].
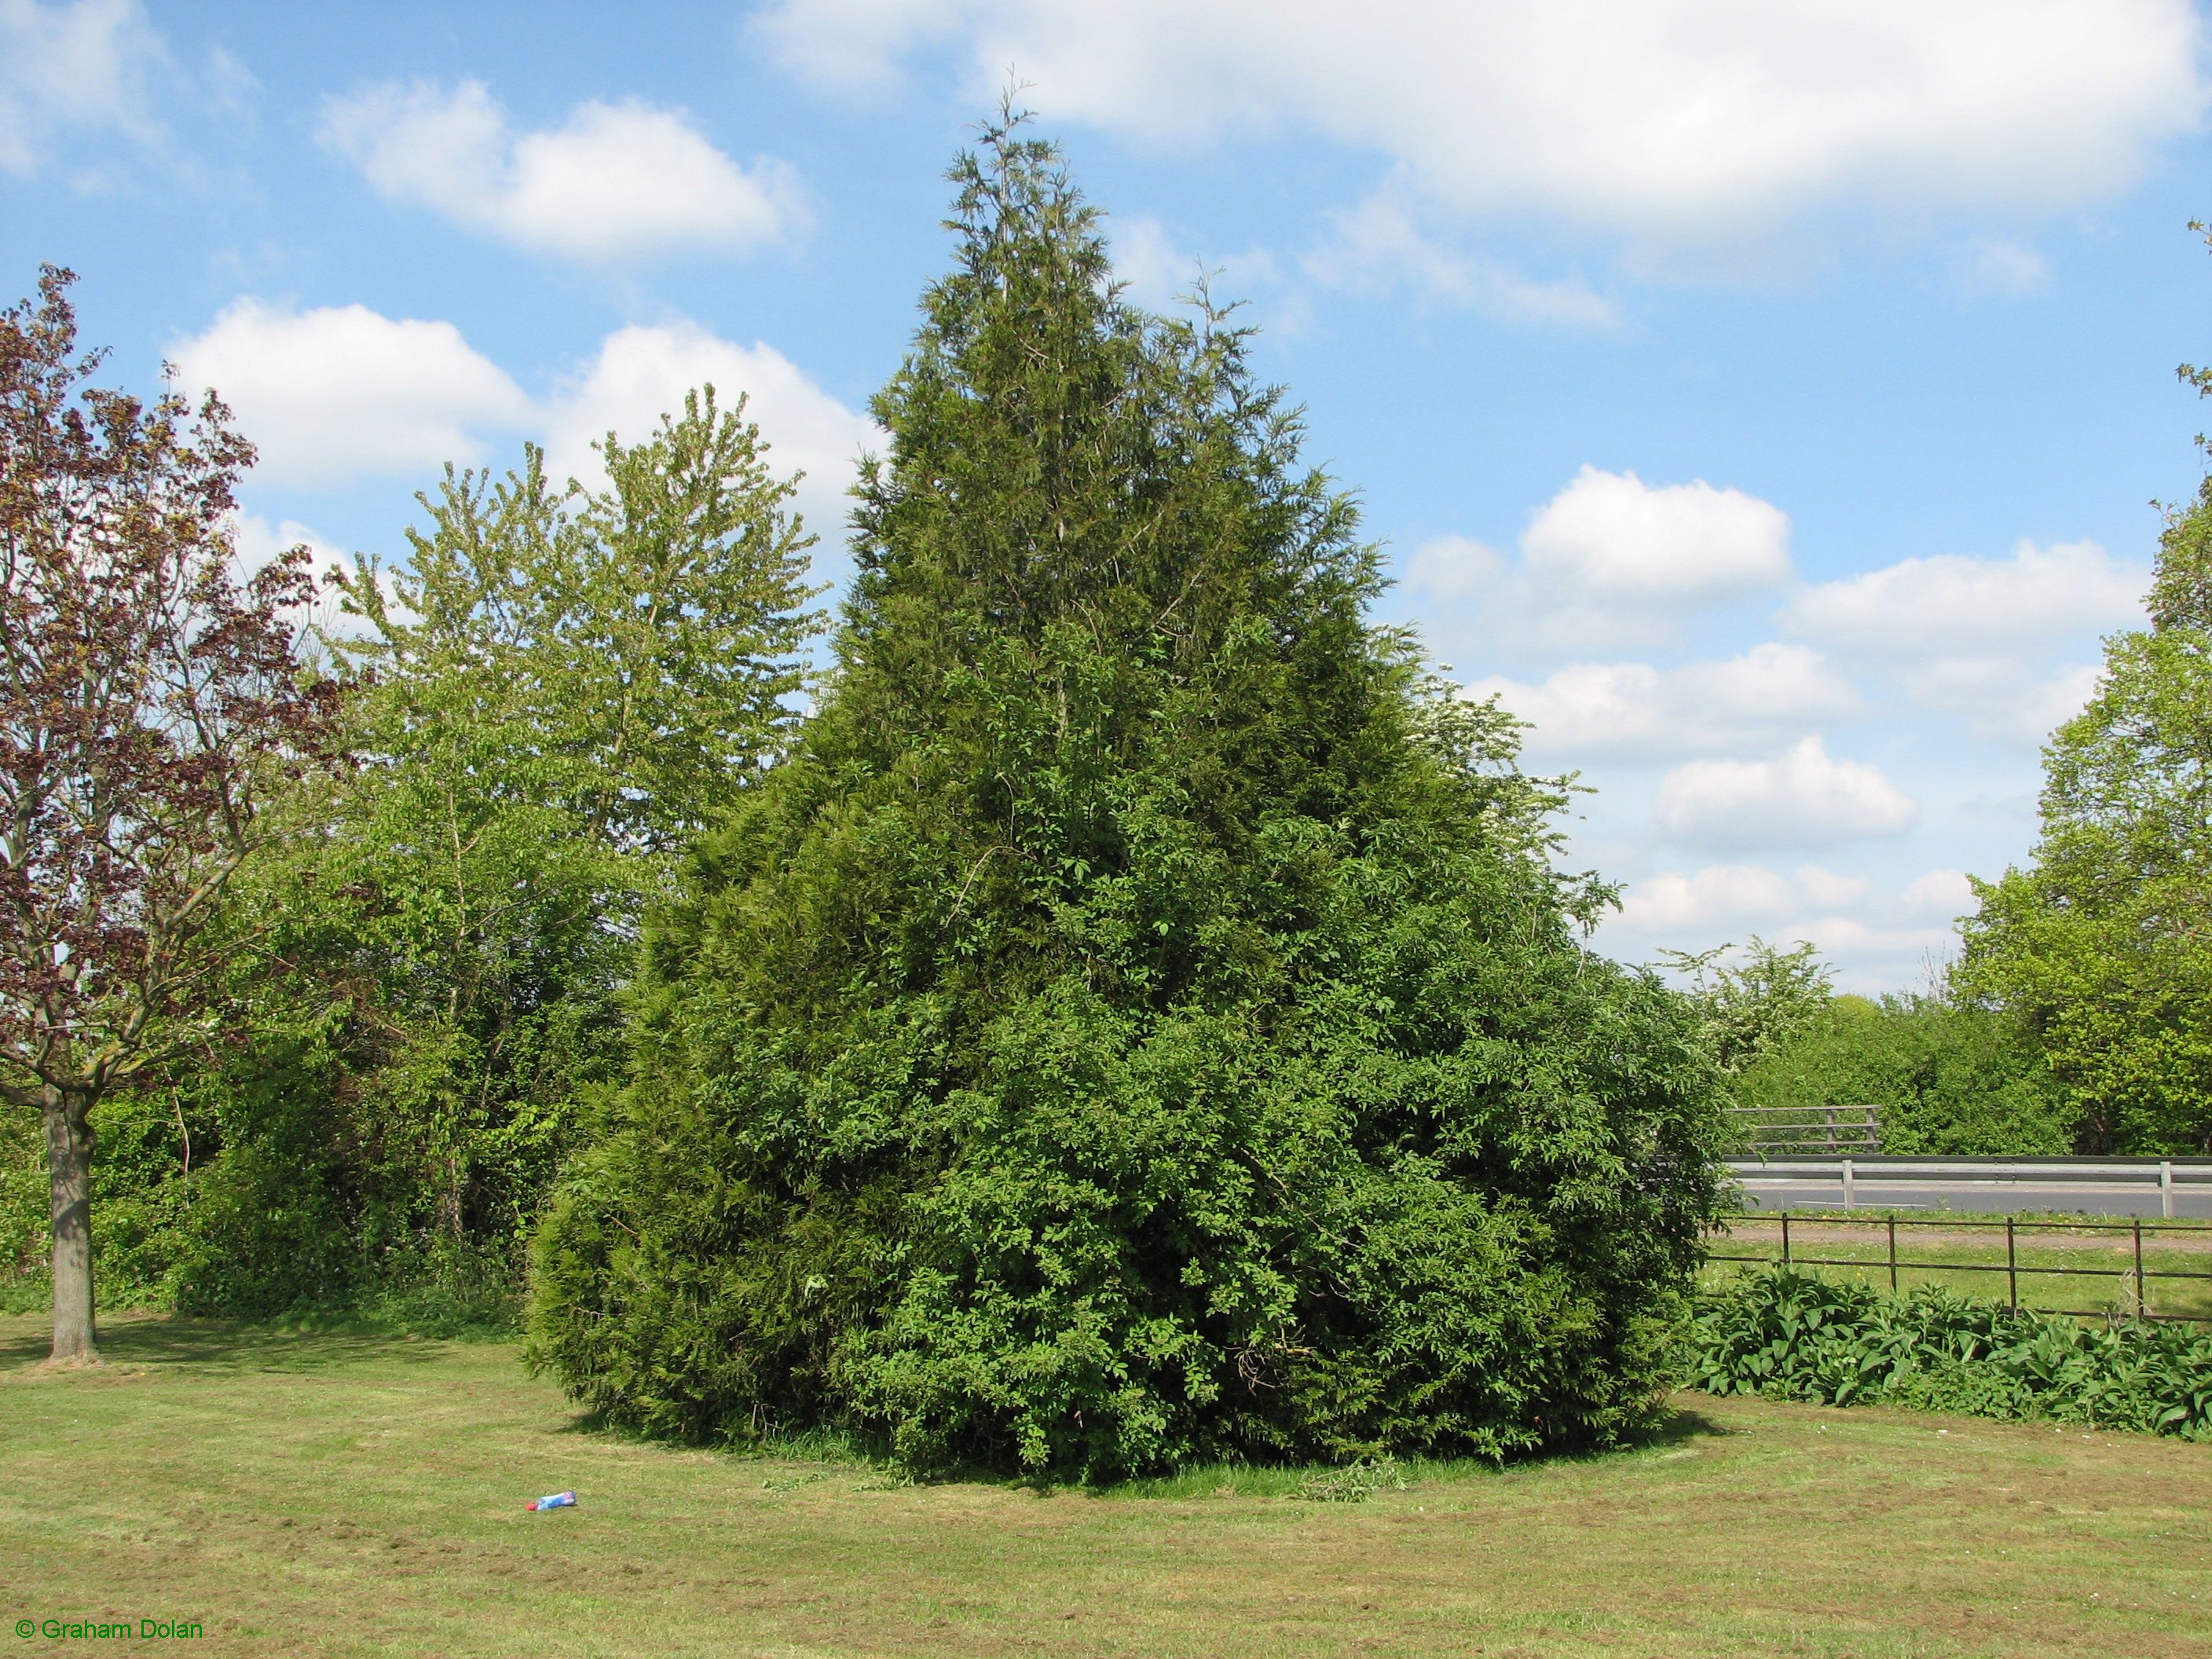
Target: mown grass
[[1975, 1258], [359, 1494]]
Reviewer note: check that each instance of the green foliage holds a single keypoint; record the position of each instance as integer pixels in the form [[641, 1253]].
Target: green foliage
[[1354, 1482], [557, 692], [1139, 1021], [1952, 1078], [1793, 1335], [1752, 1007], [2103, 945]]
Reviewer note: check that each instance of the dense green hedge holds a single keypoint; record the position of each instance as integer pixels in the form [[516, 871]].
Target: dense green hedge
[[1793, 1335]]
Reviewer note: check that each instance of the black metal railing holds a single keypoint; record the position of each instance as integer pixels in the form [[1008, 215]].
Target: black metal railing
[[2134, 1304]]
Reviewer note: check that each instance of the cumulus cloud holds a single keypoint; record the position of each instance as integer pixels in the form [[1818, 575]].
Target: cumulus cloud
[[1609, 562], [2000, 699], [1632, 711], [1721, 897], [256, 540], [1160, 272], [342, 390], [614, 181], [1999, 266], [90, 67], [1378, 247], [1803, 798], [1613, 535], [1659, 118], [1877, 937], [640, 373], [1978, 637], [1953, 606], [1941, 893]]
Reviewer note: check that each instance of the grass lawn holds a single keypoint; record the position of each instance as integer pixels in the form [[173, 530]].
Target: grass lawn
[[359, 1495]]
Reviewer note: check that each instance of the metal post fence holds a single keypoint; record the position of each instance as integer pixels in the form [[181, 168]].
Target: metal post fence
[[2133, 1299], [2142, 1300]]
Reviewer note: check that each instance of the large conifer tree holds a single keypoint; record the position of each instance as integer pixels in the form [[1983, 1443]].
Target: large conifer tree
[[1141, 1020]]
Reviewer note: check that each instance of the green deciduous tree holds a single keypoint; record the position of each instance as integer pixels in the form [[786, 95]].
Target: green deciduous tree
[[557, 689], [1952, 1078], [1755, 1005], [2104, 944], [1140, 1019], [563, 687]]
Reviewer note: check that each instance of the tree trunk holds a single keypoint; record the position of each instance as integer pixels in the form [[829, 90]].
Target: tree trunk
[[69, 1166]]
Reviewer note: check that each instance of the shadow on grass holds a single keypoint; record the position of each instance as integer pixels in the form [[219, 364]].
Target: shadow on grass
[[1677, 1425], [222, 1345], [846, 1449]]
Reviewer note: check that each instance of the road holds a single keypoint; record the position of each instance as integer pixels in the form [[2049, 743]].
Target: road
[[1986, 1186]]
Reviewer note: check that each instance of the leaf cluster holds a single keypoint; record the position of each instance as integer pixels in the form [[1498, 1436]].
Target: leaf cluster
[[2103, 945], [150, 706], [1790, 1334]]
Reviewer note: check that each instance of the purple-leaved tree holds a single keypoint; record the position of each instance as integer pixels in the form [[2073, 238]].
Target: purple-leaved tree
[[150, 704]]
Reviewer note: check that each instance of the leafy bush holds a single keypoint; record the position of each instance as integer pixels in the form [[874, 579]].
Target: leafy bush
[[1794, 1336]]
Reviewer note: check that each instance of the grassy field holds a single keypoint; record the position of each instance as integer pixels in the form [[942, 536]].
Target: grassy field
[[2108, 1254], [362, 1495]]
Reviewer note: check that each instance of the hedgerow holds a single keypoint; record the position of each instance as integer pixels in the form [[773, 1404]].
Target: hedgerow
[[1790, 1334]]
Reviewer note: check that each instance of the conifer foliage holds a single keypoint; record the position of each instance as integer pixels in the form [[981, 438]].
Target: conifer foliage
[[1139, 1020]]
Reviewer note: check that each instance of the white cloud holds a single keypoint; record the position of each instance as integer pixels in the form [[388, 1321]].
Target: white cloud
[[1975, 637], [1805, 797], [342, 391], [641, 373], [1999, 266], [1609, 562], [1160, 272], [1632, 711], [615, 181], [1714, 900], [1830, 891], [256, 540], [1455, 567], [850, 45], [2002, 700], [1951, 605], [1876, 938], [1660, 117], [1612, 535], [1377, 247], [86, 67], [1943, 894]]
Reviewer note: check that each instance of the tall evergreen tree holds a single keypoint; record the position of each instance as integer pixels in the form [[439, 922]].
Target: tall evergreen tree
[[1140, 1019]]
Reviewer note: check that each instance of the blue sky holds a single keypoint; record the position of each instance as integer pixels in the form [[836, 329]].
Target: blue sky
[[1767, 402]]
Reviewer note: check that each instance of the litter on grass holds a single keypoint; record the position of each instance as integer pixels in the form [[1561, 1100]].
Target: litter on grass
[[559, 1500]]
